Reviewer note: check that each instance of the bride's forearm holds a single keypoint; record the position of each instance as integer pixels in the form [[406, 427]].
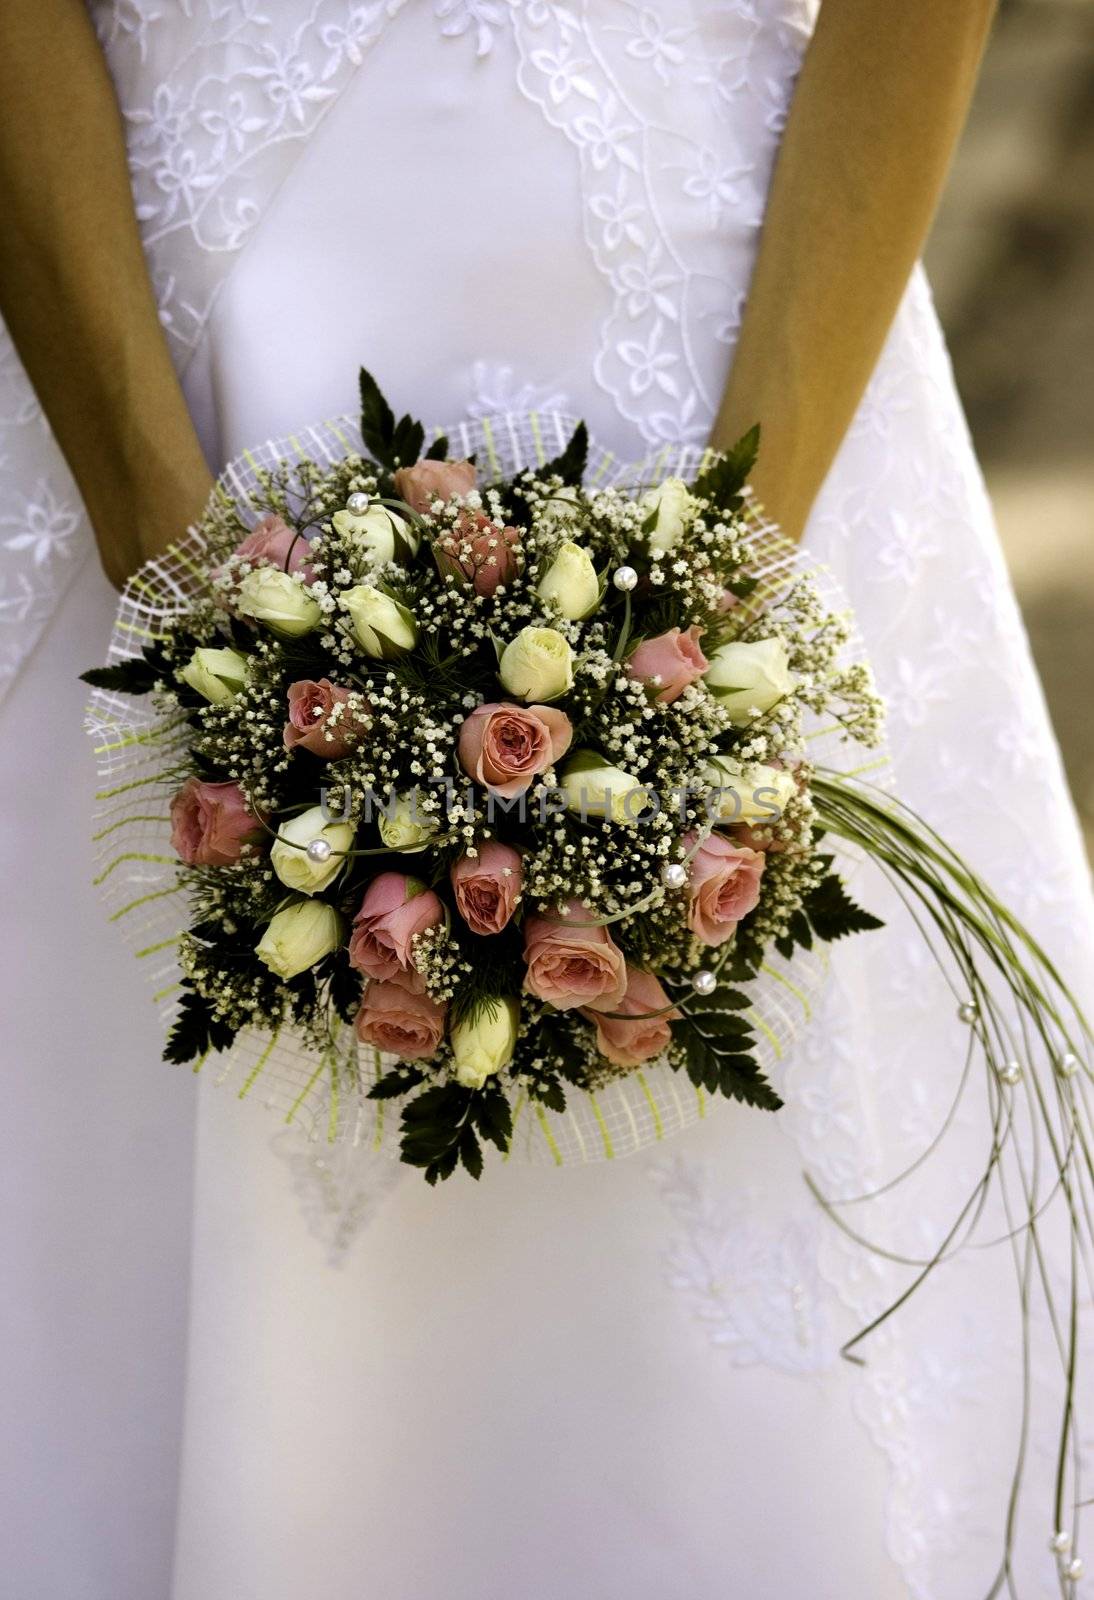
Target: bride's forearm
[[882, 97], [74, 288]]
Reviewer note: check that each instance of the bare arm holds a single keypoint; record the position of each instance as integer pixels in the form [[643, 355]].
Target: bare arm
[[74, 289], [882, 97]]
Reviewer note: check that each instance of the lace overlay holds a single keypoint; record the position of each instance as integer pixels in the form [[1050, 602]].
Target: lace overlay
[[673, 114]]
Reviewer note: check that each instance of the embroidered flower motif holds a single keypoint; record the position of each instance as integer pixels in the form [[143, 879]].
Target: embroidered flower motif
[[483, 17]]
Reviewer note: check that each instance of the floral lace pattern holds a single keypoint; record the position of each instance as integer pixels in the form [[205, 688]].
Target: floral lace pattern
[[674, 114]]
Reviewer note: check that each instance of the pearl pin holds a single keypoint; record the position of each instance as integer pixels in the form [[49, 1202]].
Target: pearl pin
[[704, 981], [357, 504], [967, 1012], [1010, 1072], [674, 875], [624, 578], [1060, 1543], [319, 850], [1075, 1569], [1068, 1064]]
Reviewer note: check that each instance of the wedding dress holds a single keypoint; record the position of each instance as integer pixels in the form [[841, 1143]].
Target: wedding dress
[[618, 1380]]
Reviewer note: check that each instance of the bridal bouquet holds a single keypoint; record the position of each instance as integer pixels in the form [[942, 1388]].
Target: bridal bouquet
[[502, 794], [502, 772]]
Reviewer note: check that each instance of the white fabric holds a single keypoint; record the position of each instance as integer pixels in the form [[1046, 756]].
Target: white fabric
[[612, 1381]]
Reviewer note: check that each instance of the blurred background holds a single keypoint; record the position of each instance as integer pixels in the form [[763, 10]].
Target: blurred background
[[1011, 260]]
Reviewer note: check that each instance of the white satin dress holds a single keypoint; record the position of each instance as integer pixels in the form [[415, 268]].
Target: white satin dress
[[621, 1381]]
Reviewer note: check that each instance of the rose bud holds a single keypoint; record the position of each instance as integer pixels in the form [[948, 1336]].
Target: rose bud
[[638, 1037], [572, 966], [483, 1042], [428, 481], [487, 886], [537, 665], [271, 539], [405, 828], [756, 794], [325, 719], [724, 886], [383, 628], [593, 788], [271, 596], [289, 856], [570, 582], [394, 909], [379, 533], [299, 936], [211, 822], [671, 507], [219, 675], [506, 747], [748, 678], [673, 658], [396, 1019], [481, 552]]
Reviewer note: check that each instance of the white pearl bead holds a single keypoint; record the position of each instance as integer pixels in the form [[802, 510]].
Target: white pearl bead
[[1069, 1064], [1075, 1568], [319, 850], [674, 875], [1010, 1072], [357, 504], [967, 1012], [704, 981], [1060, 1542], [624, 578]]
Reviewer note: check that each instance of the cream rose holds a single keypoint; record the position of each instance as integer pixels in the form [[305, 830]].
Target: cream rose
[[277, 599], [289, 856], [406, 828], [218, 675], [299, 936], [594, 788], [379, 532], [749, 678], [383, 628], [537, 665], [483, 1042], [746, 794], [671, 507], [570, 582]]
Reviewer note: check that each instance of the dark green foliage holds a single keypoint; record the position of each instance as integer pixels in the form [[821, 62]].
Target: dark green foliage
[[139, 675], [400, 1080], [718, 1044], [441, 1127], [723, 480], [833, 914], [438, 450], [570, 465], [196, 1030], [391, 444]]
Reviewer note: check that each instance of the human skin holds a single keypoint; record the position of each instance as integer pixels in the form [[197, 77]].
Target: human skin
[[880, 103]]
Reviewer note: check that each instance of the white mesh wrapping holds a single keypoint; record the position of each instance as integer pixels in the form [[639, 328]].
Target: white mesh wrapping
[[139, 751]]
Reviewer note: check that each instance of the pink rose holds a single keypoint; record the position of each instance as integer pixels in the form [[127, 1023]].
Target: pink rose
[[427, 481], [674, 657], [310, 724], [487, 886], [272, 540], [505, 746], [211, 822], [394, 1018], [572, 966], [724, 887], [478, 550], [640, 1036], [394, 909]]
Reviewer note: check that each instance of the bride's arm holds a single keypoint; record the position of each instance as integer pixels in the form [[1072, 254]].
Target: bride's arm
[[74, 289], [880, 102]]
